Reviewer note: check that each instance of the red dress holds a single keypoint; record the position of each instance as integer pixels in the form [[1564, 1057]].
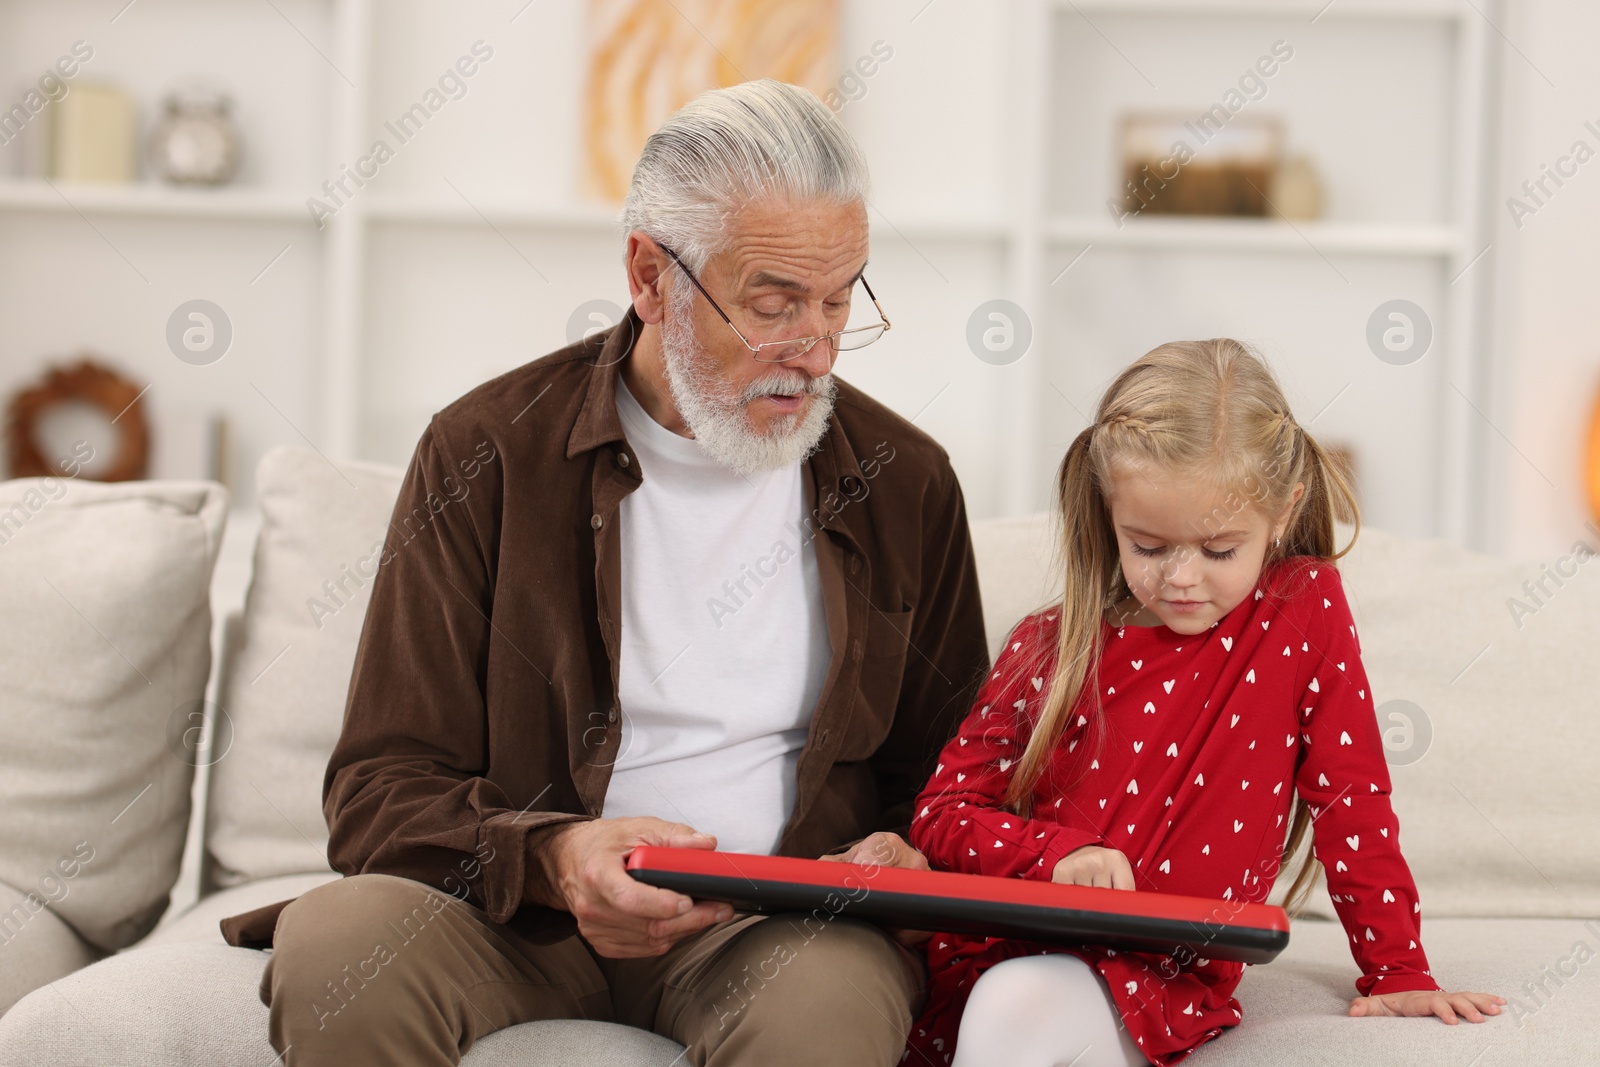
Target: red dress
[[1206, 738]]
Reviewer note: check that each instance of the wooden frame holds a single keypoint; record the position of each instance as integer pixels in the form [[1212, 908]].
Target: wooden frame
[[84, 382]]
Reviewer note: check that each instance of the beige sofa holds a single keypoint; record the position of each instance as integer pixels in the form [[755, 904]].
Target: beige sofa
[[108, 656]]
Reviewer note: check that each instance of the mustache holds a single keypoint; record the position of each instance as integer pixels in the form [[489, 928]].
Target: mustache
[[787, 383]]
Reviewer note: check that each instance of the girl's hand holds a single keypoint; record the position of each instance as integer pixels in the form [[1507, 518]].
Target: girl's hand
[[887, 850], [1447, 1006], [1093, 865]]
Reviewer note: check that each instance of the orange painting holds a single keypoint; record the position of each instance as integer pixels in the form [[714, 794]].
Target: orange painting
[[647, 58]]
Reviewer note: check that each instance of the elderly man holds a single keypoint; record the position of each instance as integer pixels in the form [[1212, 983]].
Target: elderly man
[[696, 592]]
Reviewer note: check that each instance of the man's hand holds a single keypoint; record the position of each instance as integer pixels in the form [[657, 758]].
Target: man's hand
[[1447, 1006], [619, 916], [887, 850], [1093, 865]]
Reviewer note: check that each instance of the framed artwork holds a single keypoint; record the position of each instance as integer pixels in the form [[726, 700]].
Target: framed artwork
[[647, 58]]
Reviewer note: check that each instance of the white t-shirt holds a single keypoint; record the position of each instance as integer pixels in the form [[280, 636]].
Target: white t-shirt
[[724, 640]]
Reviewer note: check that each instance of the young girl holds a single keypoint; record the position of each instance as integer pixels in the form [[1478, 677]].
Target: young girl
[[1189, 710]]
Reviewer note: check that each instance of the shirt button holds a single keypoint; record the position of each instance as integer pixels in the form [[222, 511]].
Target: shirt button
[[622, 459], [611, 716], [595, 520], [855, 564], [822, 738]]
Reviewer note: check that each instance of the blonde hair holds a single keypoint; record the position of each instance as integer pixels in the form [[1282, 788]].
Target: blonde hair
[[1207, 410]]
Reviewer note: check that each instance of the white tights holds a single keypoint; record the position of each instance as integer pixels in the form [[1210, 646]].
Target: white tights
[[1043, 1011]]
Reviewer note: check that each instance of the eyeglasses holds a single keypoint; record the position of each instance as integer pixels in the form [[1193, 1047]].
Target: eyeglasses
[[795, 347]]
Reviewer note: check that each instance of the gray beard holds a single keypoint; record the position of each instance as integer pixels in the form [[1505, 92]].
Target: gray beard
[[716, 415]]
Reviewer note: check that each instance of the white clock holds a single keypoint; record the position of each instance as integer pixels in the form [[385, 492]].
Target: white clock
[[195, 142]]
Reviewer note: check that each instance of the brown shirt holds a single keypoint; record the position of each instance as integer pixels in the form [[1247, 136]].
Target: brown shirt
[[482, 711]]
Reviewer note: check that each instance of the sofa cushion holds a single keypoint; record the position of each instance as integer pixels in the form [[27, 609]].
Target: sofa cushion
[[37, 946], [187, 1003], [106, 632], [1491, 718], [1016, 572], [201, 921], [1299, 1001], [287, 666], [199, 1004], [1490, 711]]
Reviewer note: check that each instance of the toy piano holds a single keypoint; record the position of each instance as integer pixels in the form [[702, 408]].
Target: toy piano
[[1162, 923]]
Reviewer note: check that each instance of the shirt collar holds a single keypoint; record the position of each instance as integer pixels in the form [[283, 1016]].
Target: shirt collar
[[597, 422]]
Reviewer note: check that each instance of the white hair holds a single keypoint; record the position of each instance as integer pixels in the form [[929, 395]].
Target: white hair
[[753, 141]]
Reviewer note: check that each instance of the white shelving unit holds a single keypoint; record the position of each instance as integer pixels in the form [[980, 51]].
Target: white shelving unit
[[467, 254], [1266, 235], [1426, 239], [150, 201]]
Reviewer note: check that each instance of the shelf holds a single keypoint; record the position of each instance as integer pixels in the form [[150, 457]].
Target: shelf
[[151, 200], [428, 208], [1257, 235], [1308, 10]]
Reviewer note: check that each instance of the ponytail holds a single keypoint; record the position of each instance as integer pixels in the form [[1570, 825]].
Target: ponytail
[[1088, 560]]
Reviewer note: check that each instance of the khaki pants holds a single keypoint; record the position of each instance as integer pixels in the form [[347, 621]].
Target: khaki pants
[[376, 969]]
